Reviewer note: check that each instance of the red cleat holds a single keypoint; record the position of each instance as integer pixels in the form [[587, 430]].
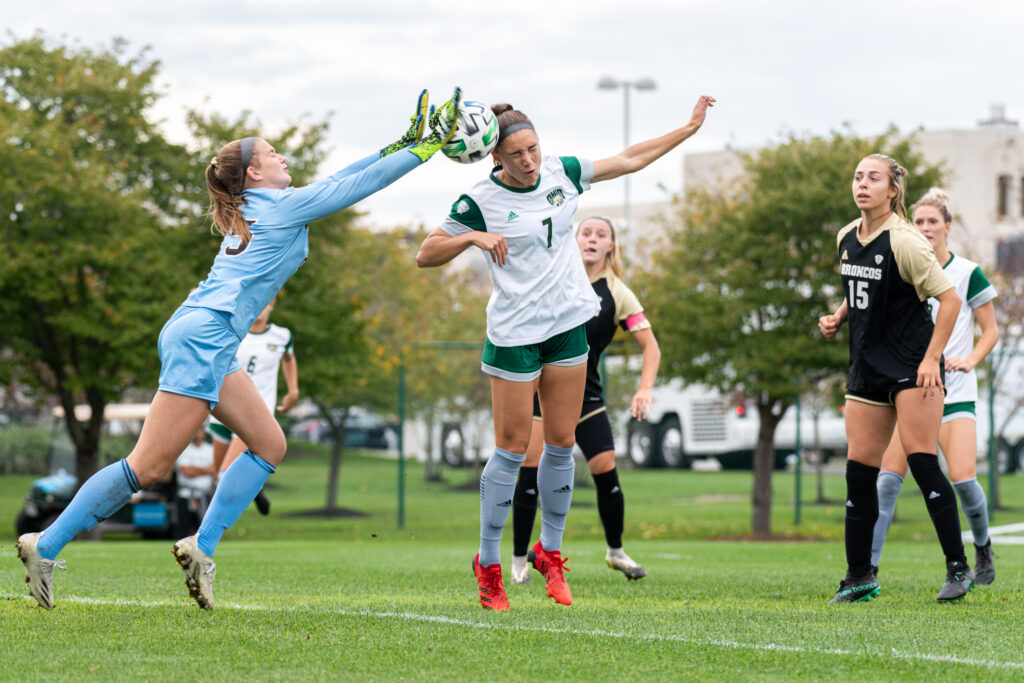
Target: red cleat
[[488, 579], [552, 565]]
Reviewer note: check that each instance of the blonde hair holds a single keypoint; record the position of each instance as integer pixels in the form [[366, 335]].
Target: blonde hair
[[613, 259], [937, 199], [225, 181], [897, 179]]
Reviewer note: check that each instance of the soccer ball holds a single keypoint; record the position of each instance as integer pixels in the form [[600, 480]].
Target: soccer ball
[[476, 133]]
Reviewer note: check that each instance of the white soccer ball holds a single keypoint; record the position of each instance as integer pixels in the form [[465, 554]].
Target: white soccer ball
[[476, 133]]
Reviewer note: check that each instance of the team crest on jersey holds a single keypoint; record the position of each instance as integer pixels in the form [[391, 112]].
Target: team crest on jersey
[[272, 347], [845, 255], [462, 206], [556, 197], [878, 259]]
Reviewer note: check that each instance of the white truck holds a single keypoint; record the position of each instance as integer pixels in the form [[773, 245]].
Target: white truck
[[689, 422]]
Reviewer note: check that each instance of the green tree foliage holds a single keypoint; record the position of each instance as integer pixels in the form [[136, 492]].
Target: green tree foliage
[[357, 309], [739, 288], [91, 205]]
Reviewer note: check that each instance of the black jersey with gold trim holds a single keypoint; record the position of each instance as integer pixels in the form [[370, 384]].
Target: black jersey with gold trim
[[890, 324], [619, 308]]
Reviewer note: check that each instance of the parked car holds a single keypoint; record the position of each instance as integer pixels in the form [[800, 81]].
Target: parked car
[[363, 429], [155, 511]]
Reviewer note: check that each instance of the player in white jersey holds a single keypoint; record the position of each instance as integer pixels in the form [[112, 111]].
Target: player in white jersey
[[958, 434], [264, 352], [521, 217]]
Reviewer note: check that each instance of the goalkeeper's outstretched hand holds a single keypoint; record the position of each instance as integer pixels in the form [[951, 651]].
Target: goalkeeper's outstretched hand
[[442, 127], [418, 122]]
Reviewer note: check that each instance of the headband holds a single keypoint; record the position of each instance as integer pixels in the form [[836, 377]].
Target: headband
[[522, 125], [246, 145], [603, 220]]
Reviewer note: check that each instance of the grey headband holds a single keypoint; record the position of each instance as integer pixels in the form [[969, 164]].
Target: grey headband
[[603, 220], [247, 145], [522, 125]]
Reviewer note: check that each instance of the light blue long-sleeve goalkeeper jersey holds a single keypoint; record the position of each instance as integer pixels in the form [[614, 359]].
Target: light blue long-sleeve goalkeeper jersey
[[244, 278]]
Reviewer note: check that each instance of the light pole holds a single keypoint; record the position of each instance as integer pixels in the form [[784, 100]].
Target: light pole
[[609, 83]]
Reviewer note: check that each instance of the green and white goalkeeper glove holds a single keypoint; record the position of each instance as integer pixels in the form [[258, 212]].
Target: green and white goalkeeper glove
[[442, 127], [418, 122]]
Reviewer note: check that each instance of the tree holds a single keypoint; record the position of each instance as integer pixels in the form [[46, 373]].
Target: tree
[[356, 309], [103, 227], [94, 204], [738, 290]]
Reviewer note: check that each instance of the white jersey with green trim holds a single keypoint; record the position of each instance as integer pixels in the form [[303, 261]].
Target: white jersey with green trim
[[260, 355], [543, 288], [974, 290]]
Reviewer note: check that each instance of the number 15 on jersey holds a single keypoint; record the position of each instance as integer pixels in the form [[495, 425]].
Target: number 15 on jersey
[[858, 294]]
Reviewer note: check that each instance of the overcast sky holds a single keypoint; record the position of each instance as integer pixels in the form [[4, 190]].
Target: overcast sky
[[802, 66]]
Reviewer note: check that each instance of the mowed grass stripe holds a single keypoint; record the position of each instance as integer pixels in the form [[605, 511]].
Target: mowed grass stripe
[[658, 637]]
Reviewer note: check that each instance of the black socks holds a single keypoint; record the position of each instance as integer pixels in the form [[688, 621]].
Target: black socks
[[524, 510], [941, 501], [861, 515], [611, 506]]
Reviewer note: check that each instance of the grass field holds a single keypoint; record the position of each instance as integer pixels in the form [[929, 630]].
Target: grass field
[[355, 598]]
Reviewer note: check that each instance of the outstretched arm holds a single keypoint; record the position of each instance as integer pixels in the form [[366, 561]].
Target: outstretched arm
[[638, 156], [339, 191]]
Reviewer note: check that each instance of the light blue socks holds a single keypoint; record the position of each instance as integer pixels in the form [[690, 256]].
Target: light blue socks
[[103, 494], [235, 491], [889, 485], [497, 486], [554, 481], [975, 507]]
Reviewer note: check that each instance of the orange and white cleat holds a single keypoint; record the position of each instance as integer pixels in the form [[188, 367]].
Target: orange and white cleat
[[492, 591], [551, 564]]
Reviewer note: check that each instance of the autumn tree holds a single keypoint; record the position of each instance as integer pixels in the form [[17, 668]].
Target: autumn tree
[[93, 201], [752, 265]]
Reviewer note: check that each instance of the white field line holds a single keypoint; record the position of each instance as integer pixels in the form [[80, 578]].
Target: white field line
[[657, 637], [1000, 535]]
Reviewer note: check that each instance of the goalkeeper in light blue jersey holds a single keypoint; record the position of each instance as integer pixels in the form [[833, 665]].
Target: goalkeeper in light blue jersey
[[264, 224]]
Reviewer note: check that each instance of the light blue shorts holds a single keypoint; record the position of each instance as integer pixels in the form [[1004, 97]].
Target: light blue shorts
[[197, 351]]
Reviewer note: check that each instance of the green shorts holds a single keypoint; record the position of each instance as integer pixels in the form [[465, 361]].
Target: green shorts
[[523, 363], [219, 432], [956, 411]]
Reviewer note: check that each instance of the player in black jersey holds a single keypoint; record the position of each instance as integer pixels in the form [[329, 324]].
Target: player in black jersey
[[888, 272], [619, 308]]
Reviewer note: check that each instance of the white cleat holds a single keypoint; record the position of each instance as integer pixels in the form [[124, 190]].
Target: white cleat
[[520, 570], [622, 562], [38, 570], [199, 570]]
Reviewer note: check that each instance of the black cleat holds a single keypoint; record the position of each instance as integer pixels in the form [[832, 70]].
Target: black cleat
[[262, 503], [857, 589], [984, 568], [959, 581]]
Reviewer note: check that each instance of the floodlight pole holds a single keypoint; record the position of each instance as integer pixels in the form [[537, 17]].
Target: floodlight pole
[[799, 461], [609, 83]]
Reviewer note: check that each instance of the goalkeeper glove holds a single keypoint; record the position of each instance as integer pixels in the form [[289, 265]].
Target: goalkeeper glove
[[418, 122], [442, 127]]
